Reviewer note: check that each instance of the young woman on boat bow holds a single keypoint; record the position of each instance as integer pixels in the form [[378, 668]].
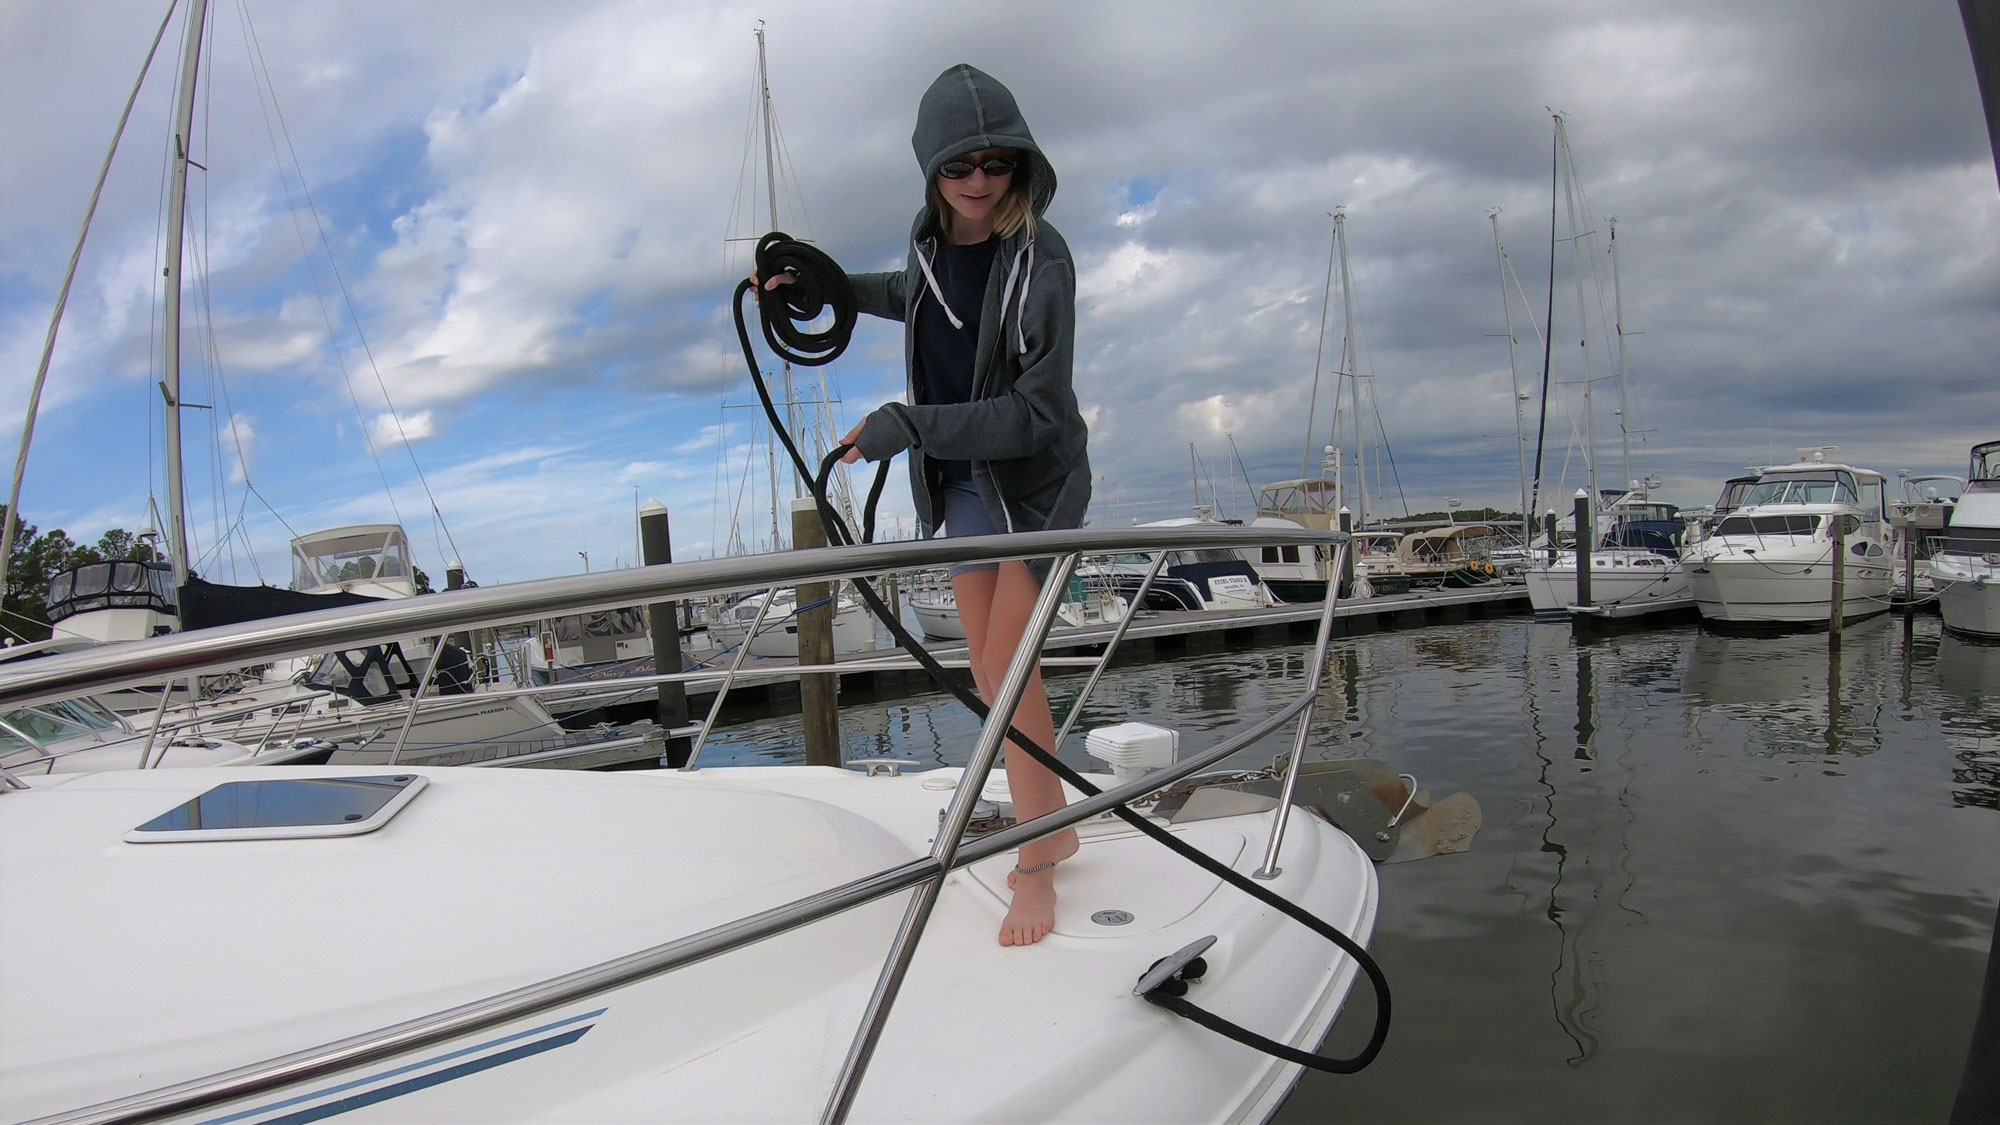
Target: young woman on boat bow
[[988, 303]]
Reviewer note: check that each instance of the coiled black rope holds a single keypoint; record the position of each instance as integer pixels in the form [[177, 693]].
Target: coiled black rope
[[824, 284], [818, 284]]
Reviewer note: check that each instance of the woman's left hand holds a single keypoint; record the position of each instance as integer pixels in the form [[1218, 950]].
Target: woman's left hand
[[853, 436]]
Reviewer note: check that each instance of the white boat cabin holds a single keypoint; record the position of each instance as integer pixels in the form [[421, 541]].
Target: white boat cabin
[[1314, 502], [371, 559]]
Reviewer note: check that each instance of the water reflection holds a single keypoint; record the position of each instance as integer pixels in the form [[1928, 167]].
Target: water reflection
[[1797, 693], [1968, 676], [1581, 854]]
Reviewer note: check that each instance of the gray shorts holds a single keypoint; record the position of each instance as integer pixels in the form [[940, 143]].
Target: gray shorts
[[965, 514]]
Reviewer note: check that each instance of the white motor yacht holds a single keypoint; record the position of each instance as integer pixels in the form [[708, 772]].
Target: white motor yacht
[[1635, 565], [1087, 602], [1770, 562], [762, 943], [1205, 578], [778, 633], [1966, 568]]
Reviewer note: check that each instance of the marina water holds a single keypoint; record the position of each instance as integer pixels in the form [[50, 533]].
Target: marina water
[[1719, 878]]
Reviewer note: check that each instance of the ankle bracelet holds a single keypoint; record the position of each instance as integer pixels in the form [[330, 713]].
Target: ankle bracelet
[[1019, 870]]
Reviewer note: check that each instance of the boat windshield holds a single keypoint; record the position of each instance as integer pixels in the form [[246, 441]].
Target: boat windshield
[[1985, 462], [1833, 488], [52, 722], [1733, 492], [1769, 525]]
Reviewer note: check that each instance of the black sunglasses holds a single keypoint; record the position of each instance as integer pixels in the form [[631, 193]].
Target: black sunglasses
[[992, 166]]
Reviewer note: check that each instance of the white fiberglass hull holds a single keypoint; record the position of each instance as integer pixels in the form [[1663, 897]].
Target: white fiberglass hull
[[1968, 593], [940, 622], [1759, 591], [1627, 579], [778, 636], [494, 880]]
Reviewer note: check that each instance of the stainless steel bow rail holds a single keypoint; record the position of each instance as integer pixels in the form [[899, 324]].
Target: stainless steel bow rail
[[136, 662]]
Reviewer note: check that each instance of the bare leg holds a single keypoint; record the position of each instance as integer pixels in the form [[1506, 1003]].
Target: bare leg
[[993, 626]]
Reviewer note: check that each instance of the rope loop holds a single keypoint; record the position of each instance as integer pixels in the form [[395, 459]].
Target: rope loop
[[820, 284]]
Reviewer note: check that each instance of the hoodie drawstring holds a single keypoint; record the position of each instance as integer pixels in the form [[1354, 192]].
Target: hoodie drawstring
[[931, 279], [1007, 292]]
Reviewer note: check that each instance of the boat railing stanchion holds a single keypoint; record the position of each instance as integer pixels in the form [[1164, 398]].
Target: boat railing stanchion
[[159, 713], [276, 722], [409, 720], [1110, 648], [1282, 815], [951, 830], [722, 689]]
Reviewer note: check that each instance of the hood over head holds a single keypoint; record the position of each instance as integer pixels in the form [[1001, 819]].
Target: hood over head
[[966, 110]]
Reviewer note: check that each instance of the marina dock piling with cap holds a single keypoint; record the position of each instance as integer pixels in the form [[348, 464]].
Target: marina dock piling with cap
[[819, 692], [663, 622]]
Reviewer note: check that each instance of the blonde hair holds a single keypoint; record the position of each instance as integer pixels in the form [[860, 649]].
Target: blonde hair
[[1014, 211]]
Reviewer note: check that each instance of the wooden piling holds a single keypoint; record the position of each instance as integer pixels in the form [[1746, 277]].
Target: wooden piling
[[1910, 537], [1347, 556], [1837, 612], [1549, 532], [818, 691], [891, 587], [670, 706], [1586, 538]]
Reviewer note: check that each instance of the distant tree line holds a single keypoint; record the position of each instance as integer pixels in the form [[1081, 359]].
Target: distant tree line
[[38, 557], [1465, 515]]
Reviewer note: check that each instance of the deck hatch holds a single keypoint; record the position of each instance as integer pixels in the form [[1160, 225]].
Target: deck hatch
[[284, 809]]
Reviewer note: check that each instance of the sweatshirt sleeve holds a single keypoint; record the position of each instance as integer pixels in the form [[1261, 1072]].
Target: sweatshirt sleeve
[[879, 294], [1029, 418]]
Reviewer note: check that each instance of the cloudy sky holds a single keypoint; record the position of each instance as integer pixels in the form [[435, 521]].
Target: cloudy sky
[[527, 208]]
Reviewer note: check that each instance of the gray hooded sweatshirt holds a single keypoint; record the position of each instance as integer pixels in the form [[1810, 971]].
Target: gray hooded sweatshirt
[[1021, 430]]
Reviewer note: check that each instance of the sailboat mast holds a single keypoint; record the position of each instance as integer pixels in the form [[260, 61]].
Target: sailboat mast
[[1582, 317], [1347, 364], [170, 386], [1514, 377], [1618, 357], [771, 199]]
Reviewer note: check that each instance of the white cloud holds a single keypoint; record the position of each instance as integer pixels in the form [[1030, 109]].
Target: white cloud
[[242, 442], [389, 430]]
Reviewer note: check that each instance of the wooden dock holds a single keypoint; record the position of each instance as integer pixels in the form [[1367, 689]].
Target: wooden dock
[[767, 685]]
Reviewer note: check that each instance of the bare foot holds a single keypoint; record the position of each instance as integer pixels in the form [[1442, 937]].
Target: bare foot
[[1054, 848], [1033, 913]]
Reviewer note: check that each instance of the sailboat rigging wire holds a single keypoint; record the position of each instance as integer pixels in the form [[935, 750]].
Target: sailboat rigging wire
[[817, 274], [277, 111], [13, 517], [1548, 338], [1390, 450], [1240, 466]]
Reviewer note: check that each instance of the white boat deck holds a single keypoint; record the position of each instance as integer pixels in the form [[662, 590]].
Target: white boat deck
[[192, 958]]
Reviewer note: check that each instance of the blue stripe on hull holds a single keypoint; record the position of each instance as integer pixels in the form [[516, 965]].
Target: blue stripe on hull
[[425, 1081]]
